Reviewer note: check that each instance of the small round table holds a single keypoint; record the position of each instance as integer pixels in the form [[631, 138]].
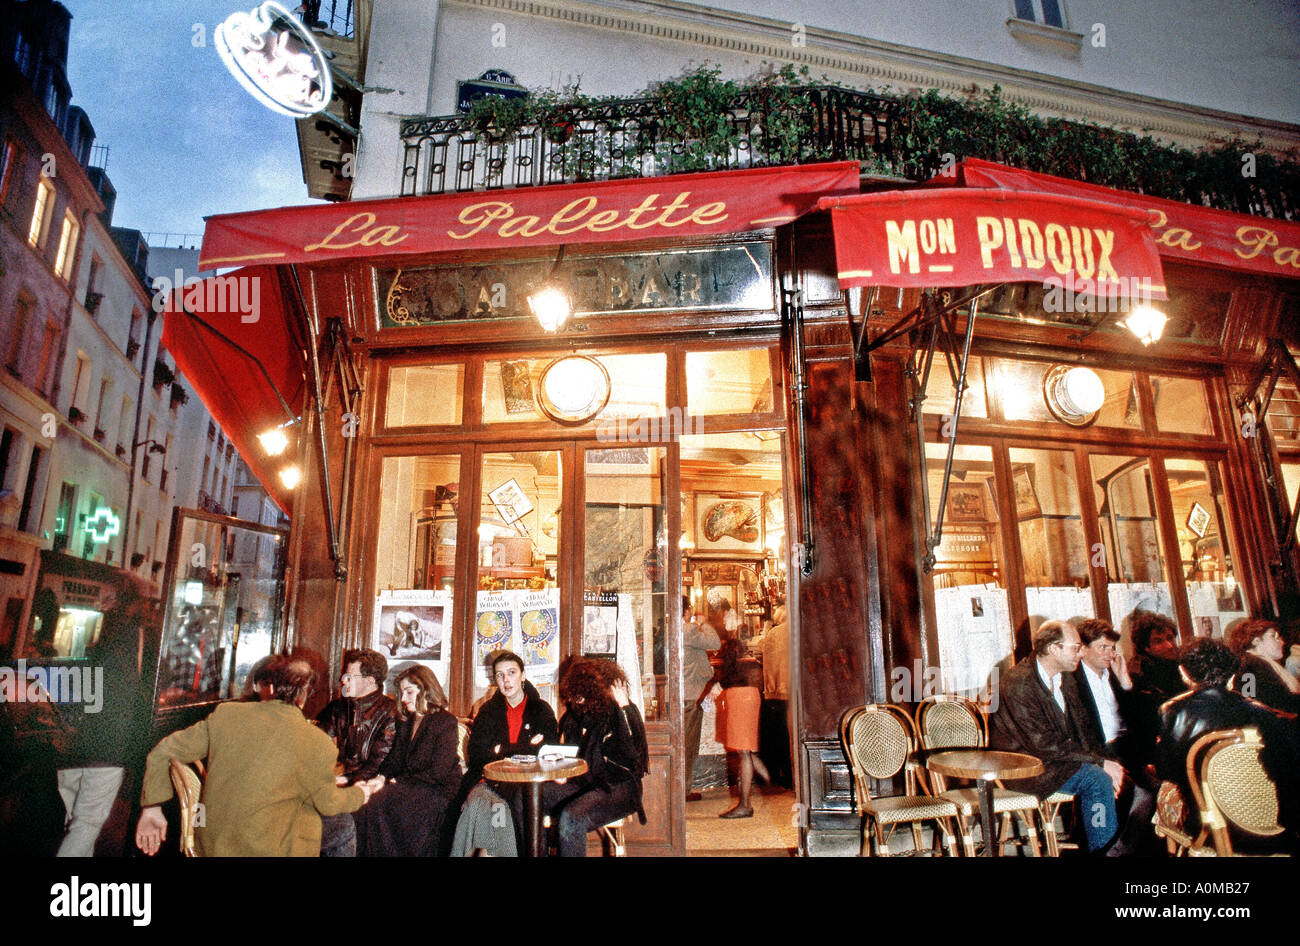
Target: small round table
[[984, 766], [534, 775]]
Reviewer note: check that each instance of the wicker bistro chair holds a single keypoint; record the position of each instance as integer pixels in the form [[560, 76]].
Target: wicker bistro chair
[[1232, 789], [188, 783], [954, 722], [879, 743]]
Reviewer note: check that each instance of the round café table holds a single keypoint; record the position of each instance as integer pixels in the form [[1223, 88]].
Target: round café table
[[534, 775], [985, 766]]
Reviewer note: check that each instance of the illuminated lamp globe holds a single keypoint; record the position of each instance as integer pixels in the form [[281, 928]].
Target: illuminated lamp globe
[[550, 307], [1080, 392], [1146, 323], [273, 441], [290, 476], [573, 389]]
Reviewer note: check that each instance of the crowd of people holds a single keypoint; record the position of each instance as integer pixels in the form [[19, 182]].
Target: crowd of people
[[378, 777], [1116, 734]]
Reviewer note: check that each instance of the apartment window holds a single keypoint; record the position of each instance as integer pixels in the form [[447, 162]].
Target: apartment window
[[22, 312], [105, 387], [45, 369], [124, 427], [29, 505], [148, 449], [67, 247], [81, 382], [212, 431], [40, 227], [1047, 12], [6, 455], [63, 516], [8, 164]]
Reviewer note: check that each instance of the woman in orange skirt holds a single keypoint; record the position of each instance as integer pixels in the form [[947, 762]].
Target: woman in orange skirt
[[741, 679]]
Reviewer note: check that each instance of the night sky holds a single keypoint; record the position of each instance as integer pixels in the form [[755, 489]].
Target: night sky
[[185, 139]]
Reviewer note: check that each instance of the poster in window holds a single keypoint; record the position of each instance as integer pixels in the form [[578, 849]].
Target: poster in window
[[539, 630], [494, 629], [410, 625], [966, 503], [1198, 520], [511, 501], [599, 623]]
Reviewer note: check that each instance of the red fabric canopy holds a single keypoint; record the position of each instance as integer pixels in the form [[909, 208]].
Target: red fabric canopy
[[1182, 231], [960, 237], [205, 326], [599, 212]]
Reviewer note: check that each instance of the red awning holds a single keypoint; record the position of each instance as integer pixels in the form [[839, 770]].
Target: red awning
[[960, 237], [231, 339], [1182, 231], [599, 212]]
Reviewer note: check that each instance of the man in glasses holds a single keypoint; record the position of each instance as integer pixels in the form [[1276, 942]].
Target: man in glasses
[[363, 724], [1040, 713]]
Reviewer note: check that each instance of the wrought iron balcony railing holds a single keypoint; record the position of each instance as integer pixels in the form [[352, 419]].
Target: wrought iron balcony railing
[[630, 138]]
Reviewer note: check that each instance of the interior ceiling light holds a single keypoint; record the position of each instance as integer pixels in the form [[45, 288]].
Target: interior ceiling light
[[1074, 395], [573, 389], [551, 307], [1147, 323], [290, 476]]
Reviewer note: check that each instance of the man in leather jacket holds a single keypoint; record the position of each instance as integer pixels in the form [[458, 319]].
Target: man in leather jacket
[[363, 724], [1208, 665]]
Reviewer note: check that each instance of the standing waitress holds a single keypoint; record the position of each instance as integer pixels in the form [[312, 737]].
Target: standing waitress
[[741, 680]]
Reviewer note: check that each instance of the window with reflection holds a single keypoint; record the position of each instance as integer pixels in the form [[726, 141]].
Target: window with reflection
[[940, 389], [415, 563], [1053, 546], [729, 382], [1130, 531], [517, 390], [1181, 405], [972, 611], [625, 565], [518, 604], [1038, 391], [423, 395], [1200, 521]]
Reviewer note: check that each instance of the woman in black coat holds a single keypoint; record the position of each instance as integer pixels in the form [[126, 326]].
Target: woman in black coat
[[419, 777], [609, 732]]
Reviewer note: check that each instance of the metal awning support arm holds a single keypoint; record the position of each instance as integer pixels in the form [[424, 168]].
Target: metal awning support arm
[[322, 453], [942, 327], [1277, 361]]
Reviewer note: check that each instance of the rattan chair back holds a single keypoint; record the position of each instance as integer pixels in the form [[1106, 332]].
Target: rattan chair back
[[878, 741], [1236, 787], [188, 784], [950, 722]]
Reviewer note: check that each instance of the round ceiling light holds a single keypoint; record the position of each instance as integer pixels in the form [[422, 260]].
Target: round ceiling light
[[1074, 395], [574, 389]]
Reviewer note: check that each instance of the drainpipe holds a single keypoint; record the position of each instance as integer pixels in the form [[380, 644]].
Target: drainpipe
[[135, 437]]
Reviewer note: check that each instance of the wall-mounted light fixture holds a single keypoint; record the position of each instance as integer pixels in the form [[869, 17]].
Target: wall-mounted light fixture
[[1074, 395], [1146, 322]]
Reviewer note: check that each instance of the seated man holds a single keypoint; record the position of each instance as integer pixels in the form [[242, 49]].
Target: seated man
[[270, 777], [514, 721], [1040, 713], [1208, 665], [363, 724]]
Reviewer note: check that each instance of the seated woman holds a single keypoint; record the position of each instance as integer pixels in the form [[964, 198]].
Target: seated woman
[[600, 718], [741, 680], [419, 777], [1262, 676]]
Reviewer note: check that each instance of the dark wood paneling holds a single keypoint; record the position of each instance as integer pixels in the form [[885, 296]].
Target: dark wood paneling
[[658, 798]]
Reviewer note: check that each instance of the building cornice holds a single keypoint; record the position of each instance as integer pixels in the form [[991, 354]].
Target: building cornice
[[876, 63]]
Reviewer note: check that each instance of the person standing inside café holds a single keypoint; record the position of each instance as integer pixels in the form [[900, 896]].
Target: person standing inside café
[[1040, 713], [697, 640], [739, 678], [774, 719]]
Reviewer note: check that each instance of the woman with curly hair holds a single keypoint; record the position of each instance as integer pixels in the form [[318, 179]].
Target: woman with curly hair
[[1263, 676], [418, 778], [601, 720], [741, 680]]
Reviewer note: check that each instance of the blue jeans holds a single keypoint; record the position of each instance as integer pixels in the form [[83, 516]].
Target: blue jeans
[[1096, 796], [338, 836]]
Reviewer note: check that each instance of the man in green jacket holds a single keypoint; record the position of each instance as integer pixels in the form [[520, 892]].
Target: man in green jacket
[[270, 776]]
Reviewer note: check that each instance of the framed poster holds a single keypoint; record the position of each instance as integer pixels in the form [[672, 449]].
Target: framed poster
[[729, 522], [599, 623], [511, 501], [1198, 520], [411, 625], [1027, 506], [966, 503]]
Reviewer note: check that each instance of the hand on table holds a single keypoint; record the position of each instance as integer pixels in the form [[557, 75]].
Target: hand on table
[[151, 830]]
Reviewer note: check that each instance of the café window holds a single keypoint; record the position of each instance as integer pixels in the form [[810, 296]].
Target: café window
[[1137, 573], [572, 390], [415, 560], [424, 395], [729, 382], [1053, 544], [1048, 393], [1201, 524], [1181, 405]]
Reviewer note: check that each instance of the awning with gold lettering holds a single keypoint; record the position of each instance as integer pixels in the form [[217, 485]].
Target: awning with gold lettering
[[1182, 231], [598, 212], [964, 236]]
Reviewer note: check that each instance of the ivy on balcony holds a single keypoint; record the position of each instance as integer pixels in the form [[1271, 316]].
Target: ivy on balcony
[[701, 121]]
